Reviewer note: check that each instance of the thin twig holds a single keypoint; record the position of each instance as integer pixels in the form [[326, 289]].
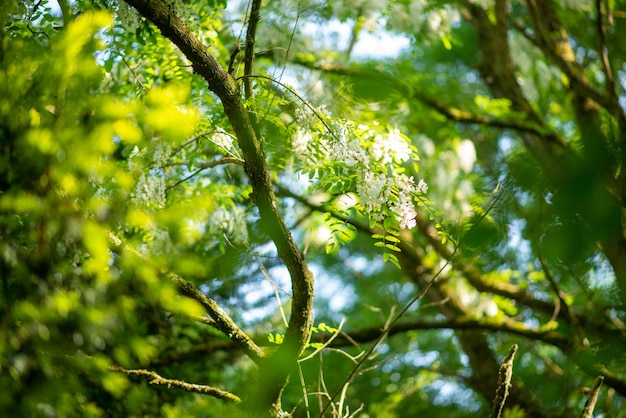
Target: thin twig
[[382, 336], [326, 344], [292, 91], [601, 29], [206, 165], [155, 379], [571, 314], [137, 79]]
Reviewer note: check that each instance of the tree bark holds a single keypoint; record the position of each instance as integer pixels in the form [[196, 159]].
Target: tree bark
[[274, 370]]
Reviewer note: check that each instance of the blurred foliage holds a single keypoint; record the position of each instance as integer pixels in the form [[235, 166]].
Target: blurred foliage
[[106, 135]]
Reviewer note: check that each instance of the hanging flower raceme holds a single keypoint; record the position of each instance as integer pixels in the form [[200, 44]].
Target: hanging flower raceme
[[360, 159]]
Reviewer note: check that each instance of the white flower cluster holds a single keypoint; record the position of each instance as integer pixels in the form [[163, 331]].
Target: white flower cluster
[[230, 223], [379, 189], [135, 157], [162, 153], [404, 208], [150, 191], [222, 139], [129, 17], [392, 148], [345, 149], [301, 141]]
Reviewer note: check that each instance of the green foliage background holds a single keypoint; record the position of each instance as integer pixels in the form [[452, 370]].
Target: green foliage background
[[119, 166]]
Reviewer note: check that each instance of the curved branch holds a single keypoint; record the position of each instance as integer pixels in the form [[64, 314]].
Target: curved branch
[[155, 379], [552, 39], [223, 321], [449, 112], [205, 165], [365, 335], [278, 368]]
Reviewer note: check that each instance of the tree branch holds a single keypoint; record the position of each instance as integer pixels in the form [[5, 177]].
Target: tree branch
[[277, 369], [609, 82], [223, 321], [255, 16], [504, 382], [593, 397], [552, 39], [470, 272], [451, 113], [203, 165], [66, 11], [365, 335], [155, 379]]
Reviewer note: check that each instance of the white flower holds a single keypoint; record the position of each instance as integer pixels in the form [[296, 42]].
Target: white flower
[[347, 150], [136, 152], [350, 153], [390, 148], [300, 142], [161, 241], [308, 117], [129, 17], [467, 155], [222, 139], [403, 209], [304, 116], [150, 191], [405, 184], [134, 159], [230, 223], [434, 21], [422, 187], [162, 152], [372, 191], [405, 214]]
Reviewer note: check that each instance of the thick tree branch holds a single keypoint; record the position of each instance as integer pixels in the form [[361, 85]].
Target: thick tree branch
[[498, 71], [370, 334], [593, 397], [504, 382], [278, 368], [155, 379], [497, 67], [508, 326], [552, 39], [248, 60], [470, 272], [451, 113], [66, 11], [222, 321]]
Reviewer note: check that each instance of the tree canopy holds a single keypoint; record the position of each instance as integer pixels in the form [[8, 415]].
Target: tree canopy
[[372, 208]]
